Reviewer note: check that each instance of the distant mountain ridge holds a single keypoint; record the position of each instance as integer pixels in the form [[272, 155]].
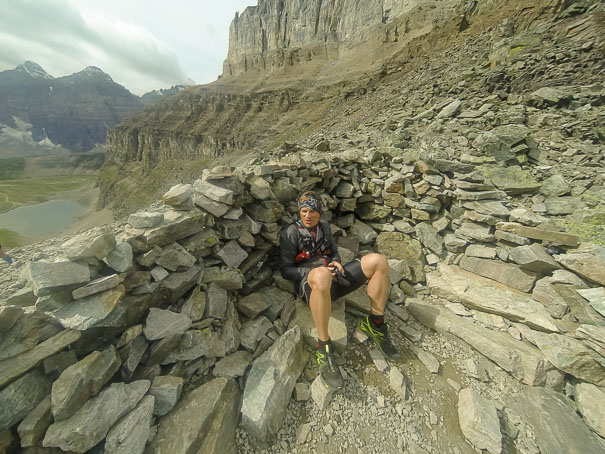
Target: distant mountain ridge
[[39, 111], [156, 95]]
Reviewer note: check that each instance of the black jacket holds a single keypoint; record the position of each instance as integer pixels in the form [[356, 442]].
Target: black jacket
[[301, 250]]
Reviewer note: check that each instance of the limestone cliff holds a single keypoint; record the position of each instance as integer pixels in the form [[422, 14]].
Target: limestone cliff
[[277, 33]]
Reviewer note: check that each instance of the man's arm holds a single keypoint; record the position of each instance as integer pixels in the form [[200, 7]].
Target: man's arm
[[334, 255], [287, 257]]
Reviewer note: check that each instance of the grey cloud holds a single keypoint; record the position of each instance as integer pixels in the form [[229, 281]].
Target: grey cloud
[[58, 35]]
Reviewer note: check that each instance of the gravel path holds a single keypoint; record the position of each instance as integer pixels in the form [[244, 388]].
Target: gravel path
[[368, 416]]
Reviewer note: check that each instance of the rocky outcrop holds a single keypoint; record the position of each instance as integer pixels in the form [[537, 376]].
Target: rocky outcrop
[[197, 292]]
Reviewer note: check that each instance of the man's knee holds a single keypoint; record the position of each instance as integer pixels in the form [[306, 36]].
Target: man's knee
[[373, 263], [381, 262], [320, 279]]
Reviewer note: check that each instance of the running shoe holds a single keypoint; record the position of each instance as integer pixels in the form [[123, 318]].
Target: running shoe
[[380, 336], [328, 369]]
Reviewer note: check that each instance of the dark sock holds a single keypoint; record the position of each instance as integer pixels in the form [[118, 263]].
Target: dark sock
[[321, 344], [377, 320]]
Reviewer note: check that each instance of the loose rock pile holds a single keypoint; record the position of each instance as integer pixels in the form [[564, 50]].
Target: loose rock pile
[[168, 332]]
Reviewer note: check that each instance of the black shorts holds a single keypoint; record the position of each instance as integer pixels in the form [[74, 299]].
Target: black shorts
[[353, 279]]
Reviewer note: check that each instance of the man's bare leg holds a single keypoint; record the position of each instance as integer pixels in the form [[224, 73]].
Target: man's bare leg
[[320, 281], [376, 268]]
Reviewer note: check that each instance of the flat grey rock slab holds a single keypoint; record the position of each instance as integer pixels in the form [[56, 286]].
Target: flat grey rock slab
[[232, 254], [22, 396], [533, 258], [167, 390], [204, 420], [428, 359], [398, 382], [556, 426], [234, 365], [254, 304], [486, 295], [480, 251], [195, 305], [163, 323], [302, 392], [81, 380], [429, 237], [19, 332], [476, 369], [507, 274], [91, 423], [571, 356], [145, 219], [93, 244], [217, 300], [46, 277], [228, 279], [147, 259], [213, 192], [363, 232], [120, 259], [379, 360], [175, 226], [22, 298], [253, 331], [34, 425], [321, 395], [17, 365], [270, 384], [217, 209], [279, 300], [591, 402], [197, 343], [596, 298], [268, 212], [181, 282], [178, 195], [159, 273], [558, 238], [524, 362], [479, 421], [174, 256], [130, 434], [98, 286], [86, 312], [471, 231]]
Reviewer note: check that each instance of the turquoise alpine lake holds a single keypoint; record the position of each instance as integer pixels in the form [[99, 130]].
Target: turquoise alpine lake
[[42, 218]]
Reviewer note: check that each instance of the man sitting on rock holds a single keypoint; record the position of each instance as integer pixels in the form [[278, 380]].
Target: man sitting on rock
[[4, 256], [309, 257]]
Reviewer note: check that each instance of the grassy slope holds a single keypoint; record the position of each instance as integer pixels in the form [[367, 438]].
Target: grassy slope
[[27, 191]]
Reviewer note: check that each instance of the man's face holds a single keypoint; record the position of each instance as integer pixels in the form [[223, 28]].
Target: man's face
[[309, 217]]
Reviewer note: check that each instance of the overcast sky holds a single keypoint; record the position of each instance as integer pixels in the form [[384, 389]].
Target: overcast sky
[[142, 44]]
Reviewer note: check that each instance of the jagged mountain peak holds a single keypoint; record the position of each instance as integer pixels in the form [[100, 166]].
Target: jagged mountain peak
[[33, 69], [93, 71]]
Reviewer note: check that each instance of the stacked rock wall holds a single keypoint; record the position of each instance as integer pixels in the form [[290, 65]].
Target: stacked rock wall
[[136, 327]]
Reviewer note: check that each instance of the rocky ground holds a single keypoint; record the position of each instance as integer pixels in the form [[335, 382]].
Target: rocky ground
[[369, 414]]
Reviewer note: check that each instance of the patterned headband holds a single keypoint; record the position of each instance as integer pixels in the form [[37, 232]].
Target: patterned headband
[[310, 201]]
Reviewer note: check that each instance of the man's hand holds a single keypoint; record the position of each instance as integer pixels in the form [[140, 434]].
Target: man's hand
[[335, 266]]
